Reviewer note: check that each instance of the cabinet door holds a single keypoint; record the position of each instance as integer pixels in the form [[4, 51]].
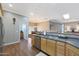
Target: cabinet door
[[60, 49], [33, 40], [51, 47], [71, 50], [43, 44]]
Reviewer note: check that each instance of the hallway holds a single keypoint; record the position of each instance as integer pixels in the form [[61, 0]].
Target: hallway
[[20, 49]]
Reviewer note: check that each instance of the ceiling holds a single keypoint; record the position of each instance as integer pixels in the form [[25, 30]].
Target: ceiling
[[38, 12]]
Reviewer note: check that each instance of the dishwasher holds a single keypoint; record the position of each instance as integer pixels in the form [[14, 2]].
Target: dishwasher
[[38, 42]]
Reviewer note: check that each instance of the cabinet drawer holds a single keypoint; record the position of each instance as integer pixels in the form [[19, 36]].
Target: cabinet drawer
[[60, 50], [72, 48], [60, 43]]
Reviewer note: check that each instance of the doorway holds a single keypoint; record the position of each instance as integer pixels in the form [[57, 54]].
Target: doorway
[[21, 35]]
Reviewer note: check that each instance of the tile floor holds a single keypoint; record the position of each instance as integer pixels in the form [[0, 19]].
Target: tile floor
[[41, 54]]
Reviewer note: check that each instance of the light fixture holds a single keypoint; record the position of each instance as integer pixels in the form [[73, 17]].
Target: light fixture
[[31, 14], [66, 16], [10, 5]]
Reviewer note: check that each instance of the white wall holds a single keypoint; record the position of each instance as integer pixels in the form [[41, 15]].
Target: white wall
[[31, 27], [55, 27], [23, 23], [43, 26], [69, 25], [12, 32]]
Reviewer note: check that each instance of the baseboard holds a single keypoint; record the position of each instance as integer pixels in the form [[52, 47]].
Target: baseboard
[[6, 44]]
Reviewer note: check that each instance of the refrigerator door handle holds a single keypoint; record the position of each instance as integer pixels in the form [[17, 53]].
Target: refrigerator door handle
[[2, 28], [3, 32]]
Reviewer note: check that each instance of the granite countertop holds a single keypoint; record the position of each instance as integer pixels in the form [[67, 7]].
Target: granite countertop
[[74, 42]]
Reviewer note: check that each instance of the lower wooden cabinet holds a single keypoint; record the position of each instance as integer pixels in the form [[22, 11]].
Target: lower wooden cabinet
[[51, 47], [33, 40], [71, 50], [56, 48], [43, 44], [60, 49]]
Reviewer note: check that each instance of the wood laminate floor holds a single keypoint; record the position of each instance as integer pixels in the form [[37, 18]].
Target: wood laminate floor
[[24, 48]]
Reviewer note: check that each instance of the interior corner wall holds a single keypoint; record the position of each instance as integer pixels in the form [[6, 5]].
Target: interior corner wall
[[12, 31]]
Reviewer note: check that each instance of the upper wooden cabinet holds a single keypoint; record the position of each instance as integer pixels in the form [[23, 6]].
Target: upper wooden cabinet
[[1, 11], [51, 47]]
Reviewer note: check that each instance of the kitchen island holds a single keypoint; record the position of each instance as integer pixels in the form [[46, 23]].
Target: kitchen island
[[57, 45]]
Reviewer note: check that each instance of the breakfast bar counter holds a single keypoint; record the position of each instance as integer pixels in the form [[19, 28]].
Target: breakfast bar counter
[[58, 45]]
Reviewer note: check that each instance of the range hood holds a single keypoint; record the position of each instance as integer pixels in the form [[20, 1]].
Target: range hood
[[1, 11]]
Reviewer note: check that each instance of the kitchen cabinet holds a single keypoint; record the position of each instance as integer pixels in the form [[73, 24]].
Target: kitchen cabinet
[[60, 48], [43, 44], [71, 50], [51, 47], [55, 47], [33, 38]]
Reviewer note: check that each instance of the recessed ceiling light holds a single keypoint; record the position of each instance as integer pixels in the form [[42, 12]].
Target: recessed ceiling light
[[31, 14], [10, 5], [66, 16]]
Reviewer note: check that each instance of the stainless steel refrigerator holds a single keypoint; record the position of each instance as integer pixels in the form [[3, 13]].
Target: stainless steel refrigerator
[[1, 35]]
